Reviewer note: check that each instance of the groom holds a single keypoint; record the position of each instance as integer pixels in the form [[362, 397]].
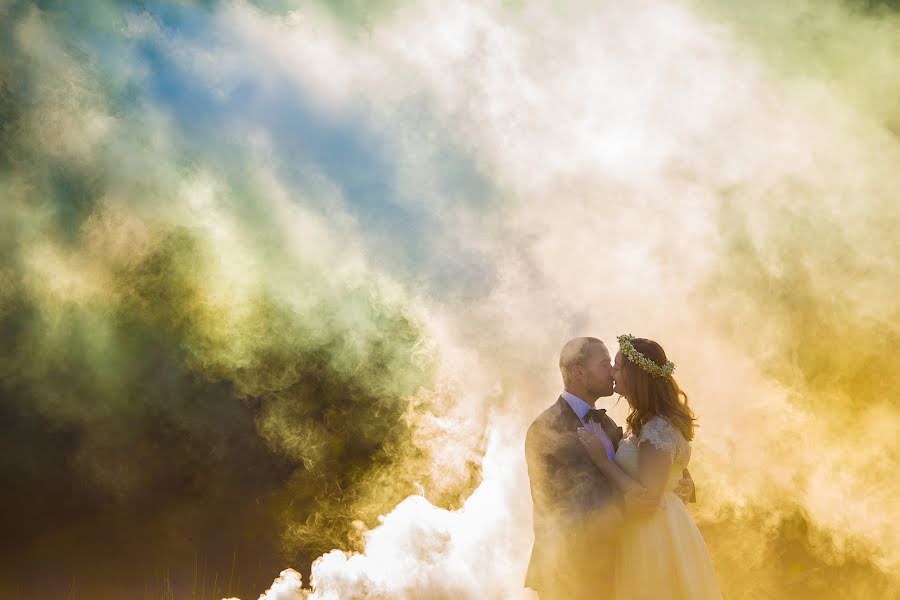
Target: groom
[[577, 511]]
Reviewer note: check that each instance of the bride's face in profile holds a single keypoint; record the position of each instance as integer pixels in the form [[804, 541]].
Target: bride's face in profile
[[619, 375]]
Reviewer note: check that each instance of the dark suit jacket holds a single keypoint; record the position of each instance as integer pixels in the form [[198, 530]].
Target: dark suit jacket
[[566, 488]]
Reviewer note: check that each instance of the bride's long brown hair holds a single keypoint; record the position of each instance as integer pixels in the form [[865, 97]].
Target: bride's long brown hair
[[650, 396]]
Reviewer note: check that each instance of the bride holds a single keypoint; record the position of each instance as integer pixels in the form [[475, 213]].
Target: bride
[[662, 556]]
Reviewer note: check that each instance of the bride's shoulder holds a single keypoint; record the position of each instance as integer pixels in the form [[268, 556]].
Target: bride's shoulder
[[658, 423], [661, 432]]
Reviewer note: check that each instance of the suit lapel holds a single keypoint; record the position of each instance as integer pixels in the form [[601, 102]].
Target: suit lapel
[[570, 420], [611, 429], [568, 423]]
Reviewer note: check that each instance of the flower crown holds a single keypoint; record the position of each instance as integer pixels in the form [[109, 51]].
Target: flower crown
[[642, 361]]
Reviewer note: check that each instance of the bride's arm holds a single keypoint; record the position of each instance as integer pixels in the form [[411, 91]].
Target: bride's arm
[[639, 499], [654, 465]]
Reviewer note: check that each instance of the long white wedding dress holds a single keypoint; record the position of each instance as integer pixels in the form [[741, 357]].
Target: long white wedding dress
[[662, 557]]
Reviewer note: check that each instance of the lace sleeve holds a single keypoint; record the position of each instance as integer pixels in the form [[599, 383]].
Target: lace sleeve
[[661, 434]]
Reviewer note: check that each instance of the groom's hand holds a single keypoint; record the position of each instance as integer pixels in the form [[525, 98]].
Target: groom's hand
[[640, 503], [685, 489]]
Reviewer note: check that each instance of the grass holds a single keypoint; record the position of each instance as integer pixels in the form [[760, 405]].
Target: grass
[[165, 590], [204, 586]]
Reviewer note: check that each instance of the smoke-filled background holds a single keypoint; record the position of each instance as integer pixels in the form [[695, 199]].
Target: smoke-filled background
[[282, 284]]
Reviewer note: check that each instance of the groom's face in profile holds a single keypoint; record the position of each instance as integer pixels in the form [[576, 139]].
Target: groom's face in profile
[[598, 372]]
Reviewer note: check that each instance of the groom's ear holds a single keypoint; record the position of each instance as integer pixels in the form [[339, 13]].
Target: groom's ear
[[574, 371]]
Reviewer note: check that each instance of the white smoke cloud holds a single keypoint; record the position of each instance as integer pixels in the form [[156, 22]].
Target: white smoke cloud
[[420, 550]]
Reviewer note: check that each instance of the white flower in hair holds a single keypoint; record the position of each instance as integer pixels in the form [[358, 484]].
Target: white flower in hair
[[642, 361]]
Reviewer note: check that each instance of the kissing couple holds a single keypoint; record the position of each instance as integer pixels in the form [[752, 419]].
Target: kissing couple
[[610, 520]]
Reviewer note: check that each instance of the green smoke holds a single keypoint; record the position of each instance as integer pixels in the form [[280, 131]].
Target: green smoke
[[189, 369]]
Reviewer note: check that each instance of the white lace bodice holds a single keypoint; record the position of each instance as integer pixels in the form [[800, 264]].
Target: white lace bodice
[[660, 432], [664, 436]]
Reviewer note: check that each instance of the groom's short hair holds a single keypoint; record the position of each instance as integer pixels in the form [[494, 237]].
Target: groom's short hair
[[574, 353]]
